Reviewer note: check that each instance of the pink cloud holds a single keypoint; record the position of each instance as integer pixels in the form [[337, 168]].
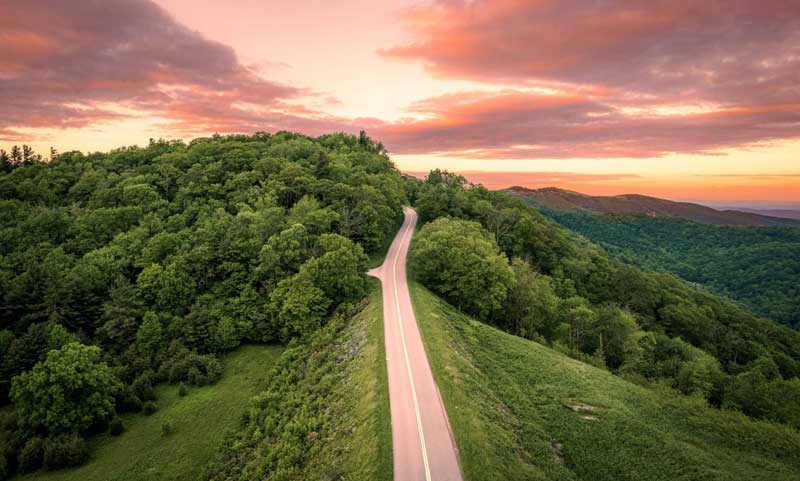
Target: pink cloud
[[513, 124], [72, 64], [728, 51], [614, 63]]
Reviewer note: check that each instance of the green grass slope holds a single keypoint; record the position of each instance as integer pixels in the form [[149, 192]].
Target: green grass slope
[[325, 413], [200, 420], [508, 400]]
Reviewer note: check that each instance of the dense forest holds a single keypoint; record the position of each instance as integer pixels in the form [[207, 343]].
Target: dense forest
[[495, 258], [122, 270], [759, 266]]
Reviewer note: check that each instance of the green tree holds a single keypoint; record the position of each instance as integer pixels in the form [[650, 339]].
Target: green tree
[[458, 260], [67, 392], [532, 305], [299, 305], [150, 336]]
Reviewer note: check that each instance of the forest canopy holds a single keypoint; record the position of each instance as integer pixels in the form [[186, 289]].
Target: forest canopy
[[538, 280], [122, 270], [759, 266]]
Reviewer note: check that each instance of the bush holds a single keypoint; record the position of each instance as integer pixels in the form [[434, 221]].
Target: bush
[[190, 367], [149, 408], [64, 450], [30, 457], [129, 402], [143, 387], [167, 428], [182, 390], [116, 427]]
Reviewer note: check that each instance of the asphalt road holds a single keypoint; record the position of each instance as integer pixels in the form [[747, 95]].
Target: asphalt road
[[422, 442]]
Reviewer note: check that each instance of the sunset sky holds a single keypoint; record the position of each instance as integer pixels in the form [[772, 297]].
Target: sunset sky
[[679, 99]]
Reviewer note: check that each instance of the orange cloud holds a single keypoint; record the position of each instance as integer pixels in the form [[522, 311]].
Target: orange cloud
[[94, 61], [514, 124]]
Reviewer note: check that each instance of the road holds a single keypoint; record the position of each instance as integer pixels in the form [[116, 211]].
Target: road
[[421, 438]]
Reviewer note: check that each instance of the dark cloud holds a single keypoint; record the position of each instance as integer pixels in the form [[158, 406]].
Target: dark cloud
[[721, 50], [515, 124], [76, 63], [734, 63]]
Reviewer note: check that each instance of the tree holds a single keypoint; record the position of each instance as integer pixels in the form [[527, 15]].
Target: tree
[[5, 162], [299, 305], [67, 392], [16, 155], [458, 260], [339, 271], [149, 336], [617, 329], [532, 305], [284, 252]]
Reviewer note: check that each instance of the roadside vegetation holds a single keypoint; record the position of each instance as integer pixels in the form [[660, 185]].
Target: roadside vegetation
[[523, 411], [325, 412], [197, 421], [127, 270], [759, 266], [495, 258]]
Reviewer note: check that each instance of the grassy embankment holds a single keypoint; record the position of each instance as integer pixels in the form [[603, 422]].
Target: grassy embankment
[[325, 413], [342, 392], [520, 410], [200, 421]]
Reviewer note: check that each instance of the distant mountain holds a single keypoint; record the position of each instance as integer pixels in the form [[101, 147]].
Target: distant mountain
[[634, 204], [781, 213]]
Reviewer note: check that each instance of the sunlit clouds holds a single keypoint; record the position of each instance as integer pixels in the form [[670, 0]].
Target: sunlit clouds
[[637, 89]]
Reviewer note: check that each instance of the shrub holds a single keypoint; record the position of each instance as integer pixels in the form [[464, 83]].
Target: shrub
[[143, 387], [191, 367], [149, 408], [129, 403], [182, 391], [116, 427], [64, 450], [30, 457], [167, 428]]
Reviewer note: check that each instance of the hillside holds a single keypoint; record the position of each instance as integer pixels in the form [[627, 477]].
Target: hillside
[[126, 271], [500, 261], [565, 200], [759, 266], [783, 213], [522, 411], [324, 414], [143, 452]]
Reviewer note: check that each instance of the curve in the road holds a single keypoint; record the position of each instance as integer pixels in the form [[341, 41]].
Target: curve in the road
[[422, 442]]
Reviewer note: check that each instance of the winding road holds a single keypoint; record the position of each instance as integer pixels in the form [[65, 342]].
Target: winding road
[[422, 442]]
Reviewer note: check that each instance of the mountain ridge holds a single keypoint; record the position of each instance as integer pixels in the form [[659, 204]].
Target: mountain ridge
[[557, 199]]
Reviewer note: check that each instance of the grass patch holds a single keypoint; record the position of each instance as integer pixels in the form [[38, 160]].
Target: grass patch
[[325, 413], [521, 411], [199, 422]]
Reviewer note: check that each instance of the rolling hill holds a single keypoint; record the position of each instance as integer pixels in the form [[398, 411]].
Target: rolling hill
[[522, 411], [634, 204]]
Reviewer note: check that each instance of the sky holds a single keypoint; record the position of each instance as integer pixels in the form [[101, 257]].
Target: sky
[[679, 99]]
